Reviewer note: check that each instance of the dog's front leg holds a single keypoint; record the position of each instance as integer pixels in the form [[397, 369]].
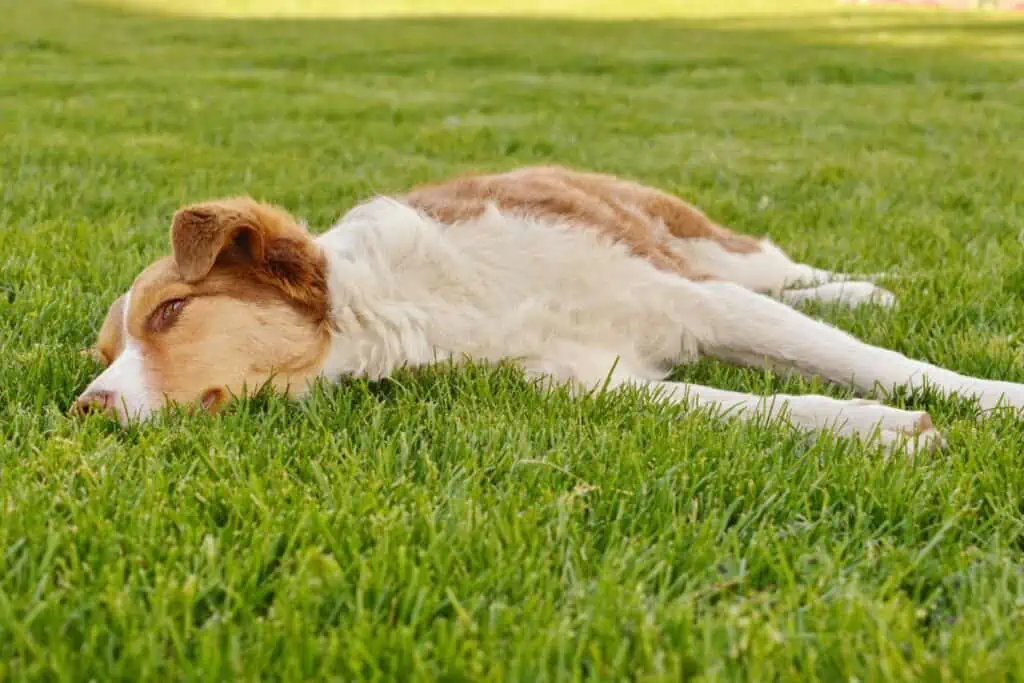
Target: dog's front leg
[[586, 370]]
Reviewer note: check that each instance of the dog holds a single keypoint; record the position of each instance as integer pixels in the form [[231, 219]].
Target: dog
[[582, 279]]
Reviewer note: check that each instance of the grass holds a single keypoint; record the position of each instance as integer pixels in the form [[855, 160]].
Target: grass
[[454, 525], [383, 8]]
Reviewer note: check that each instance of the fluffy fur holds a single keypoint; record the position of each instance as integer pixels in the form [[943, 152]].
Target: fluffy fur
[[581, 279]]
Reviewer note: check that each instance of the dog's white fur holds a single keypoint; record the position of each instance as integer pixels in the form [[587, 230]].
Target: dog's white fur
[[124, 381], [573, 307]]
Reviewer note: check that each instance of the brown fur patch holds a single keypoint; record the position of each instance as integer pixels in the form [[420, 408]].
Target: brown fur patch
[[634, 214], [264, 239]]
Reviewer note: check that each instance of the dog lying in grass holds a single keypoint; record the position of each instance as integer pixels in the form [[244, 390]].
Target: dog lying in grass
[[582, 279]]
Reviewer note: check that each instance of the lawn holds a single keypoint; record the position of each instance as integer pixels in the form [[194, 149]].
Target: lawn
[[456, 525]]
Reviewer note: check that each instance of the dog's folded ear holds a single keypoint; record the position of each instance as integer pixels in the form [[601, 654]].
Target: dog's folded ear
[[242, 231], [202, 232]]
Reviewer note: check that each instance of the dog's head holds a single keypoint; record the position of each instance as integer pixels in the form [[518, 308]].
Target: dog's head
[[242, 301]]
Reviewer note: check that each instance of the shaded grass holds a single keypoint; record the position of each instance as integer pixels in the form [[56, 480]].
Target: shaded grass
[[456, 525]]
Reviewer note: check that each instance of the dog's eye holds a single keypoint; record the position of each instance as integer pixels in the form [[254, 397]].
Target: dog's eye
[[165, 315]]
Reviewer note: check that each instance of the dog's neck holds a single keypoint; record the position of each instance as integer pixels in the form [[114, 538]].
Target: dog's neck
[[375, 326]]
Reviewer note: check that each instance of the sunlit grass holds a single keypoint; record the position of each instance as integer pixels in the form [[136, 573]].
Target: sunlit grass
[[570, 8]]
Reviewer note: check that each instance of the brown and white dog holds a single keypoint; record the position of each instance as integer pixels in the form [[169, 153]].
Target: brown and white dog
[[582, 279]]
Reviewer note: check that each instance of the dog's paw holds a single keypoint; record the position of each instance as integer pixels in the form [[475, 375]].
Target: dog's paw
[[850, 294], [919, 437], [905, 431], [881, 297], [855, 294]]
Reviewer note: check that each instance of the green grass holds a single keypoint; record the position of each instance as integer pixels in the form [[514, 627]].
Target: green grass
[[455, 525], [381, 8]]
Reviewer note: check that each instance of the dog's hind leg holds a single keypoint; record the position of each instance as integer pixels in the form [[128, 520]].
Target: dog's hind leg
[[708, 250], [768, 270], [756, 264]]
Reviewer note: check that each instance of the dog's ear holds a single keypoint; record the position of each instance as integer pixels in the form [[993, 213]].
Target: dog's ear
[[202, 232], [242, 231]]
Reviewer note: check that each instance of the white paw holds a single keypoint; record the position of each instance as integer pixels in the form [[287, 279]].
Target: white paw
[[926, 441], [858, 293], [881, 297], [900, 430], [851, 294]]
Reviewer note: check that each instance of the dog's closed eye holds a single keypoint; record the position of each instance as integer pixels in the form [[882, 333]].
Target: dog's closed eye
[[166, 314]]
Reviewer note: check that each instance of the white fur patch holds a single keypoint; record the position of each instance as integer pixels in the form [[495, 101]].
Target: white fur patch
[[125, 378], [406, 290]]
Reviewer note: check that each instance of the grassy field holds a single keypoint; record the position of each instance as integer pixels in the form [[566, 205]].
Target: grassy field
[[391, 8], [457, 526]]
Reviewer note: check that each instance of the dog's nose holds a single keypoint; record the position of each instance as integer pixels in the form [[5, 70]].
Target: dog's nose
[[96, 401]]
